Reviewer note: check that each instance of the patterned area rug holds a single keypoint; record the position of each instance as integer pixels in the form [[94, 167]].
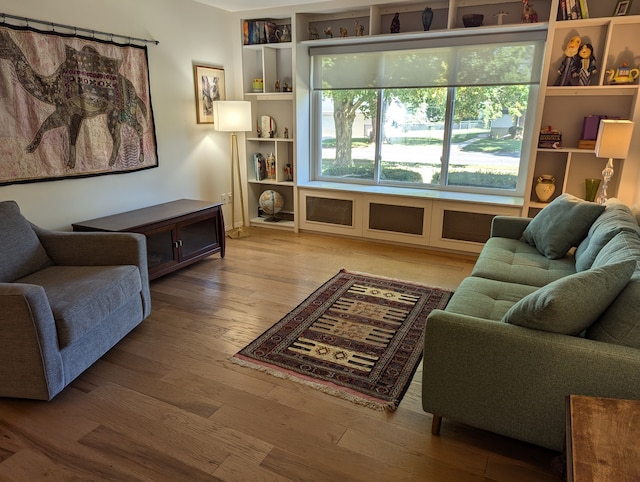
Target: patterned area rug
[[358, 337]]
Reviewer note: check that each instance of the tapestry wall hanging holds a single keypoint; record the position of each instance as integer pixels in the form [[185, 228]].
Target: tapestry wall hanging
[[72, 106]]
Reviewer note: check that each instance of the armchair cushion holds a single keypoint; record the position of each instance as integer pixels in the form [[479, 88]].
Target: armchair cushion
[[82, 296], [22, 253]]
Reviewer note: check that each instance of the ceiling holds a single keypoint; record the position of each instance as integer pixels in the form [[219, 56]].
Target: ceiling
[[241, 5]]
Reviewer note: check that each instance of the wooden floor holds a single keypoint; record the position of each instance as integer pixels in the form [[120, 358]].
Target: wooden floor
[[167, 404]]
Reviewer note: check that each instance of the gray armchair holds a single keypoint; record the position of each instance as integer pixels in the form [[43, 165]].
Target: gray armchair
[[65, 300]]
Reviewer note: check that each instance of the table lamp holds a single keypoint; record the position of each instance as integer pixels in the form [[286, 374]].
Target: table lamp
[[234, 116], [614, 138]]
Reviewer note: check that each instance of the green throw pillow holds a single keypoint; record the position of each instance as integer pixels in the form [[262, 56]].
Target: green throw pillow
[[571, 304], [561, 225]]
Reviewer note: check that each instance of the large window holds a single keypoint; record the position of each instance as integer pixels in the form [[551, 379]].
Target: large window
[[451, 116]]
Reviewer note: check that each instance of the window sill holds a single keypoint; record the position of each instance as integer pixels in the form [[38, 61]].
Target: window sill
[[489, 199]]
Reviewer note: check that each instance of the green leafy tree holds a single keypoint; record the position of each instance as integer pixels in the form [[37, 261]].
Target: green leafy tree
[[346, 104]]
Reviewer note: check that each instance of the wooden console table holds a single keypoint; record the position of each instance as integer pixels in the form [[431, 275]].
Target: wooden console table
[[178, 233], [602, 439]]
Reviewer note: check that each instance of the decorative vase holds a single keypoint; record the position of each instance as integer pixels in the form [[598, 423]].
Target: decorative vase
[[591, 186], [545, 187], [427, 18]]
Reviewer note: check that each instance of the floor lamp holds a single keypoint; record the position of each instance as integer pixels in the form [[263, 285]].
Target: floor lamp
[[234, 116], [614, 138]]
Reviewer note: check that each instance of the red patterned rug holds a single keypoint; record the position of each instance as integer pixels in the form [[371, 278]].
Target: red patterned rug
[[358, 337]]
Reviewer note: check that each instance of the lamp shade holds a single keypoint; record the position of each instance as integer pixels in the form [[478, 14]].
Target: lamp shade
[[614, 138], [232, 116]]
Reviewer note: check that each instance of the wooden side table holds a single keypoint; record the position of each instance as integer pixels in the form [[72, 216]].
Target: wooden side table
[[178, 232], [603, 439]]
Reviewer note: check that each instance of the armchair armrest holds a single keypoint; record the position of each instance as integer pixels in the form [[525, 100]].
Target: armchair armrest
[[508, 226], [93, 248], [30, 361], [98, 249]]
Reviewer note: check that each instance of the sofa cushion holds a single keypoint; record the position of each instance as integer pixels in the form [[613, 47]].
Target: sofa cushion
[[486, 298], [615, 218], [513, 261], [22, 253], [571, 304], [620, 323], [561, 225], [82, 296]]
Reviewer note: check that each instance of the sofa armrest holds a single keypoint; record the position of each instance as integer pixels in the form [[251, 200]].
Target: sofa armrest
[[30, 361], [99, 249], [508, 226], [513, 380]]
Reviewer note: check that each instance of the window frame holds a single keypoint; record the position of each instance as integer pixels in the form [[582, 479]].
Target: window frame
[[536, 36]]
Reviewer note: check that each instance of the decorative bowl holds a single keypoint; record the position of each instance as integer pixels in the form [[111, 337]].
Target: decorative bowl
[[472, 19]]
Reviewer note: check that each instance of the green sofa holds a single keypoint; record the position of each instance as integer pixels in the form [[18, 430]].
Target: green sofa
[[65, 300], [538, 320]]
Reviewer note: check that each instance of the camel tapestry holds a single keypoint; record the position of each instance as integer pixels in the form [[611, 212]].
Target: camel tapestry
[[72, 106]]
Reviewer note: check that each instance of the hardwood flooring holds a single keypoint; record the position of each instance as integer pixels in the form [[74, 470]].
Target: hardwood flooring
[[167, 404]]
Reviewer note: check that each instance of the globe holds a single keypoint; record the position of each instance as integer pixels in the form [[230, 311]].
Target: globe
[[271, 202]]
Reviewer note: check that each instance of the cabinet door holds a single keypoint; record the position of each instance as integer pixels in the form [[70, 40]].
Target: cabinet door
[[199, 235], [162, 250]]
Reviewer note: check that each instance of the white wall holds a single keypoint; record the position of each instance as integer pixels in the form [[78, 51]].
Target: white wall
[[193, 159]]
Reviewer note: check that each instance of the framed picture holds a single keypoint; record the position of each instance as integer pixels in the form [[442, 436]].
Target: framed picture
[[209, 82], [622, 8]]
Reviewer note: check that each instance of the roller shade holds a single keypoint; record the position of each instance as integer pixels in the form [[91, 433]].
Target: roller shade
[[451, 61]]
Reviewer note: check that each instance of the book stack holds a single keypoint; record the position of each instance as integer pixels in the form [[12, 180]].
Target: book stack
[[259, 32], [572, 9]]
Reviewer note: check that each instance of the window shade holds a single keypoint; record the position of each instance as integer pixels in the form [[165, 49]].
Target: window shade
[[500, 59]]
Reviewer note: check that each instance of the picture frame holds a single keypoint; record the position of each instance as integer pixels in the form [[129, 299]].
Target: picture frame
[[622, 8], [209, 87]]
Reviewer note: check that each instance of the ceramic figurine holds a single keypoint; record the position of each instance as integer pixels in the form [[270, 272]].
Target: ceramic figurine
[[343, 32], [570, 65], [359, 28], [328, 32], [427, 18], [395, 23], [284, 35], [277, 86], [271, 166], [529, 15], [313, 33], [286, 133], [501, 14], [587, 64], [258, 129], [288, 172]]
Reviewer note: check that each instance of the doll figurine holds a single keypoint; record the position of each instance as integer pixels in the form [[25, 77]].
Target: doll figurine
[[587, 64], [570, 65]]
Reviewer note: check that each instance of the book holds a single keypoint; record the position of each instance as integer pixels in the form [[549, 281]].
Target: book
[[584, 8], [573, 9], [562, 10]]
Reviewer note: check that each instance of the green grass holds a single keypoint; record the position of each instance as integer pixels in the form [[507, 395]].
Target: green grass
[[479, 179], [363, 169], [486, 144]]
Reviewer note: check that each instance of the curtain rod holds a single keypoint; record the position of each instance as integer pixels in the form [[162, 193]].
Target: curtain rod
[[93, 33]]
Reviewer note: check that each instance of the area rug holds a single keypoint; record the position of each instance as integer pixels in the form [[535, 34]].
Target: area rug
[[358, 336]]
